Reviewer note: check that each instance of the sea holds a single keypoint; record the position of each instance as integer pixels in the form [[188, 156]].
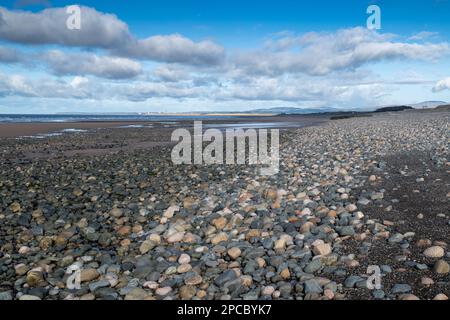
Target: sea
[[32, 118]]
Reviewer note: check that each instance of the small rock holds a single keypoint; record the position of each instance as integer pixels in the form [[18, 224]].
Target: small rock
[[234, 253], [176, 237], [187, 292], [268, 291], [441, 267], [15, 207], [312, 286], [146, 246], [136, 294], [21, 269], [116, 212], [88, 275], [408, 297], [27, 297], [163, 291], [184, 259], [193, 280], [434, 252], [34, 278], [322, 249], [227, 276], [401, 288], [183, 268], [6, 296], [427, 281], [221, 237], [285, 274], [169, 213], [220, 223]]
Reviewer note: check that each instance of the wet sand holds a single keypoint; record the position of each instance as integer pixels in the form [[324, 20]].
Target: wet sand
[[13, 130]]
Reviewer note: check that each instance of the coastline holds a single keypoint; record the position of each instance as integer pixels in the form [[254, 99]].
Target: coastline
[[26, 129]]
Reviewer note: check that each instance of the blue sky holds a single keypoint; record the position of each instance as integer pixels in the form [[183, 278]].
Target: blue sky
[[230, 55]]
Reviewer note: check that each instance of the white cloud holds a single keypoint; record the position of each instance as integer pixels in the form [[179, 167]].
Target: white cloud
[[442, 85], [78, 82], [149, 90], [49, 27], [175, 49], [91, 64], [423, 35], [17, 85], [9, 55], [330, 69], [319, 54], [170, 73], [101, 30]]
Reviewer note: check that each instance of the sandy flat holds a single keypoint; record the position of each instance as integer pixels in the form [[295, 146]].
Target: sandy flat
[[11, 130]]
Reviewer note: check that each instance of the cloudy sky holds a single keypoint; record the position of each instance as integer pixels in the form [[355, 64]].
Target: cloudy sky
[[181, 56]]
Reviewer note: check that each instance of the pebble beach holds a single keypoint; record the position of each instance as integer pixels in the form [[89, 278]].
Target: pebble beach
[[350, 194]]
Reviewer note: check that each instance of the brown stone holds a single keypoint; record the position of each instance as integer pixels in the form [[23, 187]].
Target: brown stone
[[220, 223], [285, 274], [219, 238], [234, 253], [322, 249], [124, 231], [441, 267], [88, 275]]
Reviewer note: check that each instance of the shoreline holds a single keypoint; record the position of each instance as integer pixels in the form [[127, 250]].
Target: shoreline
[[27, 129]]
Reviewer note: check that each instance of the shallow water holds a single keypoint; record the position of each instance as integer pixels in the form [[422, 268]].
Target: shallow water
[[58, 118]]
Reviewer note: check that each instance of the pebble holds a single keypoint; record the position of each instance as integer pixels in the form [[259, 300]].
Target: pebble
[[378, 294], [89, 274], [176, 237], [401, 288], [268, 291], [322, 249], [408, 297], [427, 281], [441, 297], [21, 269], [116, 212], [163, 291], [313, 266], [221, 237], [312, 286], [34, 278], [220, 223], [146, 246], [6, 296], [27, 297], [193, 280], [169, 213], [187, 292], [184, 259], [234, 253], [225, 277], [434, 252], [441, 267]]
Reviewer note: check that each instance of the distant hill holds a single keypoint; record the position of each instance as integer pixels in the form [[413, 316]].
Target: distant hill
[[394, 109], [443, 108], [290, 110], [428, 104]]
